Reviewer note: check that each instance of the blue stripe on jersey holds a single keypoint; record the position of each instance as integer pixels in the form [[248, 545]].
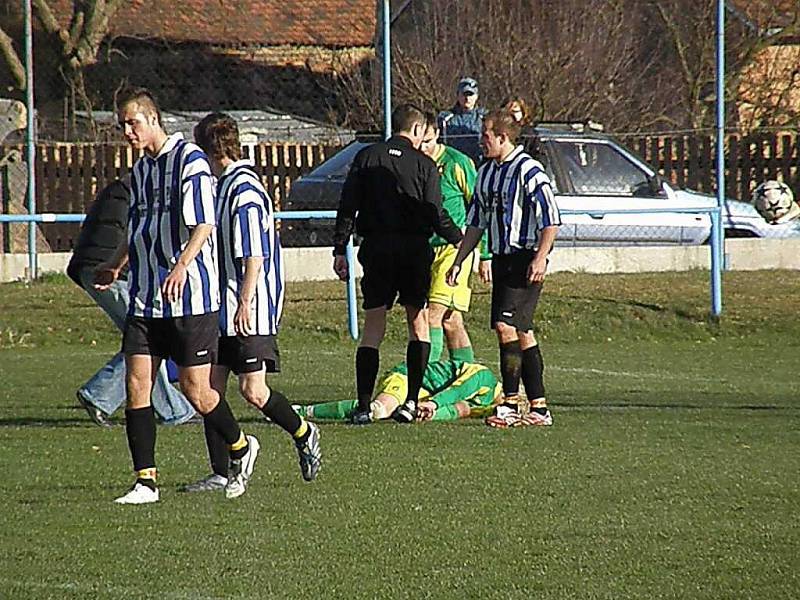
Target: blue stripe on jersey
[[527, 207], [244, 231], [508, 205], [538, 193], [162, 260], [148, 243], [206, 286], [197, 195], [277, 263], [133, 257]]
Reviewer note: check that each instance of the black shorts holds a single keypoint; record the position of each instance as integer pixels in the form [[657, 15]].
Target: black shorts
[[395, 266], [513, 298], [249, 354], [189, 341]]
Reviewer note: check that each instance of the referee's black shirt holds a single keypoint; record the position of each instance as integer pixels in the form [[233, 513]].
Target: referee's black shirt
[[392, 188]]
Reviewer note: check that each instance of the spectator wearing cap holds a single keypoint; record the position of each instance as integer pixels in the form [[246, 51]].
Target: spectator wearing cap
[[461, 125]]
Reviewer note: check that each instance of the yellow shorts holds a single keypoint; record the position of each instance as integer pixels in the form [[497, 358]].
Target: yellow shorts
[[457, 297], [396, 386]]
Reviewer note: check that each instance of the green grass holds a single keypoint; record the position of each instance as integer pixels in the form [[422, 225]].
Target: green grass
[[672, 471]]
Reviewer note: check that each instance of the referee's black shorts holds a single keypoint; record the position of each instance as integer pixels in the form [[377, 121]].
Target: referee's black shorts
[[513, 298], [396, 267], [189, 341]]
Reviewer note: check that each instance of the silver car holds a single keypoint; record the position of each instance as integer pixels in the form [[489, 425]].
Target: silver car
[[591, 173]]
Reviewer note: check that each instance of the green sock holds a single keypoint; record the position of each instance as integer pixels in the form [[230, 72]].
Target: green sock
[[338, 410], [437, 344], [464, 354]]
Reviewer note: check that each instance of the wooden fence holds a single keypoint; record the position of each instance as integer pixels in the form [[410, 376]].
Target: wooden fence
[[69, 175]]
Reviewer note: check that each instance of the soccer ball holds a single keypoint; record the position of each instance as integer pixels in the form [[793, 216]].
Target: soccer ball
[[773, 200]]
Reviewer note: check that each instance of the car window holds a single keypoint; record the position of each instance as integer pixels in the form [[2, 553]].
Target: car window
[[338, 165], [599, 169]]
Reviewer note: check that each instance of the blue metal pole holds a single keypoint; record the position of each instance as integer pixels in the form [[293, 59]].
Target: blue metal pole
[[716, 266], [352, 309], [30, 147], [718, 234], [387, 70]]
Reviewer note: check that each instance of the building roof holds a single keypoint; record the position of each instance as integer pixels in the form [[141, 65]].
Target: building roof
[[255, 126], [330, 23]]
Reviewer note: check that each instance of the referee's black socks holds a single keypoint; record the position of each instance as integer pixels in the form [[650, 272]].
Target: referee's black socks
[[417, 354], [367, 361], [533, 376]]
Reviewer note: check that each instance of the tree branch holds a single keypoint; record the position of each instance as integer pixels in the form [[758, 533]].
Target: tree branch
[[12, 60]]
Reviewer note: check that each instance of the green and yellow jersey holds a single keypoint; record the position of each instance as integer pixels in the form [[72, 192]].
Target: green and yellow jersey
[[457, 174]]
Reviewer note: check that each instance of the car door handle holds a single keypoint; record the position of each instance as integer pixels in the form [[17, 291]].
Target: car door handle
[[596, 215]]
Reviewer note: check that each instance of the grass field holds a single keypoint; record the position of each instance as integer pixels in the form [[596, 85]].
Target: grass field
[[672, 470]]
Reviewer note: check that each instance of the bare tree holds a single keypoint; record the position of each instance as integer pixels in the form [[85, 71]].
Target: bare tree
[[688, 32], [75, 45]]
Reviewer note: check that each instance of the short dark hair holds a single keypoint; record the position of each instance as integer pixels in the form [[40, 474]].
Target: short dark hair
[[218, 135], [141, 96], [431, 121], [405, 116], [503, 123]]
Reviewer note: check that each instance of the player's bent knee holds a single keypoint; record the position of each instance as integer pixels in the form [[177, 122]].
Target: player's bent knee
[[253, 390]]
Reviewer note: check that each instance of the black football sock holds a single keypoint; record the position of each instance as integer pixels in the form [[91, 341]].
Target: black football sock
[[367, 361], [217, 450], [278, 409], [510, 367], [417, 354], [140, 427], [222, 421], [533, 376]]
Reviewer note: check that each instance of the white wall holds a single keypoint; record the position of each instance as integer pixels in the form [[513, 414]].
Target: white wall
[[314, 264]]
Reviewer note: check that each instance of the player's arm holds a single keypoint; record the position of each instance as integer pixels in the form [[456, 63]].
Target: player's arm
[[250, 248], [199, 215], [432, 196], [548, 219], [349, 204], [108, 272], [176, 280]]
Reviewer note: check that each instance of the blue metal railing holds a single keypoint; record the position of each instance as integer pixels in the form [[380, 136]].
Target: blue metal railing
[[715, 241]]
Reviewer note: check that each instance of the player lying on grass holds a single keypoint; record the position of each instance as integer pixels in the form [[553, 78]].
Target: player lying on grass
[[451, 389]]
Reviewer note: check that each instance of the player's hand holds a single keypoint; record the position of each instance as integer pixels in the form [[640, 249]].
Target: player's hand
[[172, 288], [104, 276], [425, 410], [537, 269], [452, 275], [241, 320], [340, 267], [485, 271]]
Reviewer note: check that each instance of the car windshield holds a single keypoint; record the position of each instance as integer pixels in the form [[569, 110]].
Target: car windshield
[[339, 164], [597, 168]]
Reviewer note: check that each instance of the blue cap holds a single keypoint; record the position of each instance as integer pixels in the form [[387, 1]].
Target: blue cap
[[468, 86]]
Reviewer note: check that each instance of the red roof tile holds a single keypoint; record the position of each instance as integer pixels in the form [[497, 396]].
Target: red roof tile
[[332, 23]]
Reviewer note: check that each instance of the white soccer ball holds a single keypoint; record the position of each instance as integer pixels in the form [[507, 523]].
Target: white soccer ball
[[773, 200]]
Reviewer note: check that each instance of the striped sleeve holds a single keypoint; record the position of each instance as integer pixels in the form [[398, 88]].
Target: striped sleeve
[[539, 194], [198, 195], [248, 230], [477, 214]]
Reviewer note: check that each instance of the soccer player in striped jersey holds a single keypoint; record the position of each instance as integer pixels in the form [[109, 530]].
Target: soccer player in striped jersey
[[251, 282], [514, 200], [174, 291]]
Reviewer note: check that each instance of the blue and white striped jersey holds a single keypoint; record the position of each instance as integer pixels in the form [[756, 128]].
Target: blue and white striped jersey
[[171, 194], [246, 229], [514, 200]]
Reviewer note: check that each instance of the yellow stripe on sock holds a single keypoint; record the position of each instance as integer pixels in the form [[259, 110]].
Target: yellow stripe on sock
[[301, 431], [240, 443], [146, 473]]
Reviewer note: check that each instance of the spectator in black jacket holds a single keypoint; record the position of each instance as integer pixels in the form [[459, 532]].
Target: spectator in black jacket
[[392, 194], [102, 230]]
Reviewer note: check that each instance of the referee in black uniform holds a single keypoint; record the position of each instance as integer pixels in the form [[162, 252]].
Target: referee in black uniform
[[392, 195]]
